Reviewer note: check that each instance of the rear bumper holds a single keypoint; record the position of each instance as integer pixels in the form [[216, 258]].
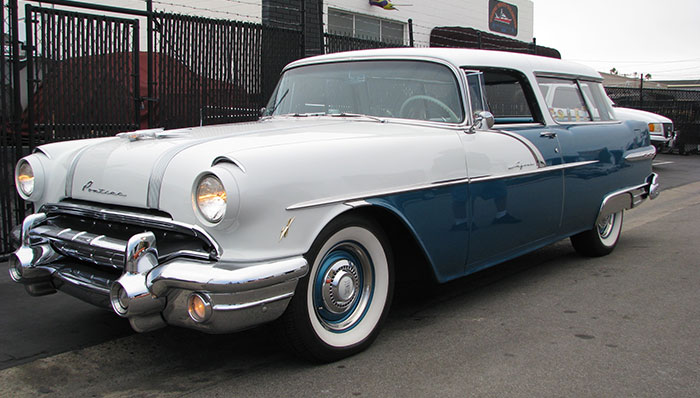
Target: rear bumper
[[234, 295], [629, 198]]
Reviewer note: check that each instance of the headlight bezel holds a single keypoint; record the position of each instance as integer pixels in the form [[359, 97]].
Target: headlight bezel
[[230, 208], [37, 178], [211, 198]]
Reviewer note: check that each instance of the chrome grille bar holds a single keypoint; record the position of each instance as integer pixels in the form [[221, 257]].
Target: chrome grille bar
[[83, 245]]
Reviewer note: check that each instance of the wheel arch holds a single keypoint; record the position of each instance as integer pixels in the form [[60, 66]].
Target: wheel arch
[[410, 256]]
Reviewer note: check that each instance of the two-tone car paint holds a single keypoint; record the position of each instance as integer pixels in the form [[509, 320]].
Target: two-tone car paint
[[287, 177]]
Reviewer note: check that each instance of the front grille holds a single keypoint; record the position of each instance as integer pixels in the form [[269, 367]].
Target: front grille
[[99, 238], [83, 245], [668, 130]]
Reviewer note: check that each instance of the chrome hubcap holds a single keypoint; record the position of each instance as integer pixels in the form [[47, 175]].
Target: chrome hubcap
[[341, 283], [605, 226], [343, 286]]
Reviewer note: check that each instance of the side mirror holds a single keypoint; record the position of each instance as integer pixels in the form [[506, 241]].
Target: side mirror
[[262, 111], [484, 120]]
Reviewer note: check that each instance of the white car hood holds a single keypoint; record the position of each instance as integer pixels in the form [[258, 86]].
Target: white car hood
[[642, 116], [125, 172]]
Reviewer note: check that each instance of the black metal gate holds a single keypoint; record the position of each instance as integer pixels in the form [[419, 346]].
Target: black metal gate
[[85, 77], [11, 206], [82, 75], [211, 71]]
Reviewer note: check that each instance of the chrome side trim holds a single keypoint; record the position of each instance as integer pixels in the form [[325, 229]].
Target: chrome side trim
[[568, 76], [545, 169], [533, 149], [644, 154], [354, 200], [234, 307], [362, 196]]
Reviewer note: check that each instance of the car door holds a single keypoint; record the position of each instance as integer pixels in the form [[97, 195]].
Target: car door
[[516, 182]]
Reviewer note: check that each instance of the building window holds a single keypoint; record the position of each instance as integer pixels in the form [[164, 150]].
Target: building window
[[346, 23]]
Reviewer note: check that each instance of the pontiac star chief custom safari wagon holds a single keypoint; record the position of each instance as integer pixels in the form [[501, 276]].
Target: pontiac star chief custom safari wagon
[[359, 158]]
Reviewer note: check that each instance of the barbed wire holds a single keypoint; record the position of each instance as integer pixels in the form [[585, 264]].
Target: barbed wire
[[190, 7], [259, 3]]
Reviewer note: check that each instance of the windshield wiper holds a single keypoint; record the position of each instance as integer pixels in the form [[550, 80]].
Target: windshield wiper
[[344, 114], [274, 108], [308, 114]]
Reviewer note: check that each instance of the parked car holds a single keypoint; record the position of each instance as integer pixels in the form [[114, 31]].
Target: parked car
[[660, 127], [309, 215]]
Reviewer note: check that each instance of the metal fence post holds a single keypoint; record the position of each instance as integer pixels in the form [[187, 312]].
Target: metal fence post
[[16, 102], [641, 90], [149, 44], [137, 75], [410, 33], [29, 48]]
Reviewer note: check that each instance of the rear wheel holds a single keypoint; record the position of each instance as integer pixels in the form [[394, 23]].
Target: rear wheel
[[600, 240], [338, 308]]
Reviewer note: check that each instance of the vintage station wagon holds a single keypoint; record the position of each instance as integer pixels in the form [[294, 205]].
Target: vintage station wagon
[[452, 155]]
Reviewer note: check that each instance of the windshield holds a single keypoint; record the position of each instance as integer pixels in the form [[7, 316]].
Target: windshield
[[401, 89]]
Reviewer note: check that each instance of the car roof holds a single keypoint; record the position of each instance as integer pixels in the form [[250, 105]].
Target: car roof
[[460, 57]]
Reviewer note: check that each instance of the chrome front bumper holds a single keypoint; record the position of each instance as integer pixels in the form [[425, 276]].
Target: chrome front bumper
[[232, 295]]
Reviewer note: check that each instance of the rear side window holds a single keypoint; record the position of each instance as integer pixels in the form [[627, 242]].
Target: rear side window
[[571, 101], [564, 100]]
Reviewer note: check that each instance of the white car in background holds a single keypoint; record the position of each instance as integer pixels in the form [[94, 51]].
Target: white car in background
[[661, 130]]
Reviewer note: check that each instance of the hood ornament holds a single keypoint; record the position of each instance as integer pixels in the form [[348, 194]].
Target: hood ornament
[[151, 134]]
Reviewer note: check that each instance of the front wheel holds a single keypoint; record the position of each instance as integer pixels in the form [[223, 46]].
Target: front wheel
[[600, 240], [338, 308]]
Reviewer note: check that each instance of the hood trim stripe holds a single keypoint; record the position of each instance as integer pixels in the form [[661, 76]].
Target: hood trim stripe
[[73, 167]]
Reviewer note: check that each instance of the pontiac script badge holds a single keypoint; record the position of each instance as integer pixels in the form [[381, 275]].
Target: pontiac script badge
[[88, 188]]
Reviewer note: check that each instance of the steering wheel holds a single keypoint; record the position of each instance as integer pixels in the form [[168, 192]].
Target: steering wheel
[[402, 112]]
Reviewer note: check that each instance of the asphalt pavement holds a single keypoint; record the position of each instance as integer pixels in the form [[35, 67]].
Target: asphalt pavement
[[550, 323]]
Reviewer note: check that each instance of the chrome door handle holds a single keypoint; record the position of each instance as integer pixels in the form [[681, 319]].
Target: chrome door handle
[[548, 134]]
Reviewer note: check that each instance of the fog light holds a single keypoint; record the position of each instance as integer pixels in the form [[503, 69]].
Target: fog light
[[199, 307]]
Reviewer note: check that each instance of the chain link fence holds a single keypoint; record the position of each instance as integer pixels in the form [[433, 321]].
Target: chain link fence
[[681, 106]]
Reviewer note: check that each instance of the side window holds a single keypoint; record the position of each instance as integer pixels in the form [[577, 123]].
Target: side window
[[509, 97], [564, 100]]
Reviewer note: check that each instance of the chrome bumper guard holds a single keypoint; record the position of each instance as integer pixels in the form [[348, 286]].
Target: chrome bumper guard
[[229, 296]]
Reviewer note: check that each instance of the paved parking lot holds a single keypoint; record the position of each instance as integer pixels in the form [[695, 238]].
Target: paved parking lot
[[548, 324]]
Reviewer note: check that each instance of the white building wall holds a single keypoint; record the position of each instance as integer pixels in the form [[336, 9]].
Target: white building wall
[[428, 14]]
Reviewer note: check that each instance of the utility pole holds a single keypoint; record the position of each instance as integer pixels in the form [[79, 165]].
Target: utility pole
[[641, 90]]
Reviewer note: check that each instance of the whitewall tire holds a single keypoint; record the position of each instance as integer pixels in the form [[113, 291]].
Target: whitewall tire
[[601, 239], [338, 308]]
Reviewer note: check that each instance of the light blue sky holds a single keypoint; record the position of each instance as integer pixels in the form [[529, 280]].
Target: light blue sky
[[644, 36]]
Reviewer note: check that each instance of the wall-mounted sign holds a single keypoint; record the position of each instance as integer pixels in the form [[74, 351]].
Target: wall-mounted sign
[[503, 18]]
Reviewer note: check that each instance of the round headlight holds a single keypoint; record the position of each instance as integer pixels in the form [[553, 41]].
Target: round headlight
[[211, 198], [25, 178]]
